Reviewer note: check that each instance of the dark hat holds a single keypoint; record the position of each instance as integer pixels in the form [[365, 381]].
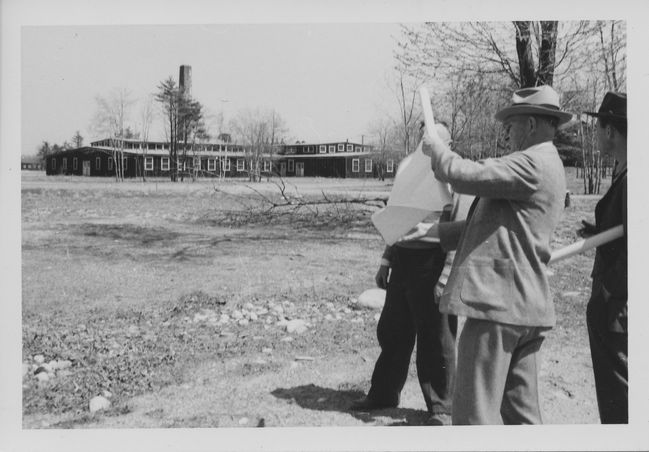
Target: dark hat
[[613, 107], [539, 100]]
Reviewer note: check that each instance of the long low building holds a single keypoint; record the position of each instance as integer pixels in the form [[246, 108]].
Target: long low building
[[221, 159]]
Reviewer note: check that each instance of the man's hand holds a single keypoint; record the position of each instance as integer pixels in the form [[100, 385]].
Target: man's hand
[[420, 231], [587, 230], [438, 291], [381, 277], [432, 145]]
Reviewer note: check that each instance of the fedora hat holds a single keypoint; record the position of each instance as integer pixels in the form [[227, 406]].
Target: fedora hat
[[613, 107], [538, 100]]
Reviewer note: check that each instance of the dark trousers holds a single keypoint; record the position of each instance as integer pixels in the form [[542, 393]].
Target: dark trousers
[[609, 351], [410, 313]]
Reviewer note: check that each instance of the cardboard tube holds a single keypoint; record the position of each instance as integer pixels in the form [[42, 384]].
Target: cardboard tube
[[429, 121], [584, 245]]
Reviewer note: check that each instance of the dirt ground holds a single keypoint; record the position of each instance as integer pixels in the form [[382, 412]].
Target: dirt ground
[[175, 298]]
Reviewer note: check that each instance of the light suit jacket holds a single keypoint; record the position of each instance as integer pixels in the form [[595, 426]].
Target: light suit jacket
[[503, 247]]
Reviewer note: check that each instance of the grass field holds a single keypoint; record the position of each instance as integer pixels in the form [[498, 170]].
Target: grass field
[[172, 300]]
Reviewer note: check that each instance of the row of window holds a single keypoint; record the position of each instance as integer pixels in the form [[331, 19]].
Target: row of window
[[323, 148], [164, 146], [211, 164]]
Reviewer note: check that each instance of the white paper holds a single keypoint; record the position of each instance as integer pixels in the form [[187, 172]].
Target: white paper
[[416, 195]]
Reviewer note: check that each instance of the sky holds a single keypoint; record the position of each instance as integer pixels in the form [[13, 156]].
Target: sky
[[328, 81]]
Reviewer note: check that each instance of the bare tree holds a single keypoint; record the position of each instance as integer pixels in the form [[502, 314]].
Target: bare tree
[[383, 133], [259, 131], [146, 117], [110, 119], [77, 140], [405, 88]]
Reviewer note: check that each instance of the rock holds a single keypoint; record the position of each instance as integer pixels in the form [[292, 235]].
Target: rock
[[249, 306], [243, 421], [224, 318], [243, 322], [267, 350], [236, 315], [252, 316], [329, 317], [286, 339], [98, 403], [571, 294], [64, 364], [42, 376], [39, 359], [377, 316], [107, 394], [296, 326], [372, 298]]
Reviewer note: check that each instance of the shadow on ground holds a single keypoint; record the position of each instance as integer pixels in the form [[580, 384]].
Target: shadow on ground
[[318, 398]]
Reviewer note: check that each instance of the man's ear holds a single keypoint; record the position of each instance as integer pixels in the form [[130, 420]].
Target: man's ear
[[531, 123]]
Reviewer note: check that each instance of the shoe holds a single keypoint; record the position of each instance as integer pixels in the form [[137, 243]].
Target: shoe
[[439, 419], [367, 404]]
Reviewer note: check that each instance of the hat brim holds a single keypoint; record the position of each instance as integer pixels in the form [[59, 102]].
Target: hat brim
[[605, 115], [506, 112]]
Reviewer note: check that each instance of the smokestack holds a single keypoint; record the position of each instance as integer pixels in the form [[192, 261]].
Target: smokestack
[[185, 80]]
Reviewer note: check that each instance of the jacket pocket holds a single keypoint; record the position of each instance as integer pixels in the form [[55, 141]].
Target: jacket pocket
[[488, 284]]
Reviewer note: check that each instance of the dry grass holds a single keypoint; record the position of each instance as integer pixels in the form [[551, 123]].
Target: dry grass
[[114, 274]]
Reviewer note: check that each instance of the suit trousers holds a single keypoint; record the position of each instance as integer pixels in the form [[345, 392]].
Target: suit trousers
[[410, 314], [497, 371], [609, 351]]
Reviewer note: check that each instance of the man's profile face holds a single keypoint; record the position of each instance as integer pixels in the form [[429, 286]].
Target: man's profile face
[[602, 138], [516, 131]]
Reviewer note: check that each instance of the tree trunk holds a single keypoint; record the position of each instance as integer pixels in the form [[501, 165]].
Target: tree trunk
[[524, 51], [547, 52]]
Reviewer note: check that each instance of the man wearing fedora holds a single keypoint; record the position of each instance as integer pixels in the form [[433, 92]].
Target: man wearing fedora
[[606, 314], [498, 280]]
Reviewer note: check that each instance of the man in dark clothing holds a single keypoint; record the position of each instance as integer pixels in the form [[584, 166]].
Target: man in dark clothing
[[606, 314], [410, 314]]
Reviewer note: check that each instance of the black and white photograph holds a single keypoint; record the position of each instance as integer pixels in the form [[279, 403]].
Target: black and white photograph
[[323, 226]]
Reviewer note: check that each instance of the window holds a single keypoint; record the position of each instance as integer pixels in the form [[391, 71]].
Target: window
[[356, 165], [226, 164], [267, 166], [291, 165], [53, 163], [164, 163], [197, 162], [350, 148], [211, 165], [332, 148], [148, 164], [323, 149], [65, 163], [368, 165], [75, 163], [390, 166], [98, 163], [358, 149], [110, 163], [241, 164], [341, 147], [311, 149]]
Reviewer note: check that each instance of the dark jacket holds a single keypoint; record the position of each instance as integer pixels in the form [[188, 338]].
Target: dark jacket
[[610, 267]]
